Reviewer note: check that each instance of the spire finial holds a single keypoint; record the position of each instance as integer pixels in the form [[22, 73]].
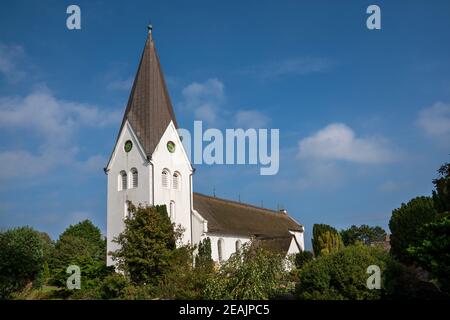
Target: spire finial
[[149, 28]]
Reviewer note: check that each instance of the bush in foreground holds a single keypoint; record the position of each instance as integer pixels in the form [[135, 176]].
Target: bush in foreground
[[342, 275], [21, 259], [252, 273]]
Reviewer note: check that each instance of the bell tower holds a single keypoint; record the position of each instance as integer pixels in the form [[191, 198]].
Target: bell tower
[[148, 165]]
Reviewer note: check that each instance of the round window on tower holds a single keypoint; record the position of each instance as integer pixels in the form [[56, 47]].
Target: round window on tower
[[171, 146], [128, 146]]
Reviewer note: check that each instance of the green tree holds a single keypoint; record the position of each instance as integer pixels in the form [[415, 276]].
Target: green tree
[[325, 240], [342, 275], [251, 273], [203, 258], [406, 223], [21, 259], [363, 233], [83, 245], [302, 258], [147, 246], [91, 234], [441, 194], [433, 251]]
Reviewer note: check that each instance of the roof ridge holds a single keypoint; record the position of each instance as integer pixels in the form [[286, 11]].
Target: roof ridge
[[239, 203]]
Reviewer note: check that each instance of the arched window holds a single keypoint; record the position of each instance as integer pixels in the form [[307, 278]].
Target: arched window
[[165, 178], [123, 183], [126, 211], [134, 178], [172, 211], [238, 245], [176, 180], [220, 249]]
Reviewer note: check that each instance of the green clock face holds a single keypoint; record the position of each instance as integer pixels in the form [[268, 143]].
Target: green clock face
[[171, 146], [128, 146]]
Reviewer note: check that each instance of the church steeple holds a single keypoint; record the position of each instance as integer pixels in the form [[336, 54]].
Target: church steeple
[[149, 110]]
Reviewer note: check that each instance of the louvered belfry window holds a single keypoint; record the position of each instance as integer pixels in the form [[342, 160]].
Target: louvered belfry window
[[176, 180], [165, 178], [134, 178], [123, 180]]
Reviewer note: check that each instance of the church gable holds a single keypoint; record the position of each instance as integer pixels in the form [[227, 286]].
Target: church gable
[[127, 134], [177, 155]]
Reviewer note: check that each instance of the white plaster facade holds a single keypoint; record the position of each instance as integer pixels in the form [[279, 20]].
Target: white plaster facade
[[150, 190], [228, 245]]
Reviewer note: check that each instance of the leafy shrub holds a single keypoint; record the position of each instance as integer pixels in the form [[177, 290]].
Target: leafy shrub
[[363, 233], [147, 246], [250, 273], [441, 194], [113, 287], [433, 253], [325, 240], [406, 223], [21, 259], [203, 258], [342, 274], [82, 245], [302, 258]]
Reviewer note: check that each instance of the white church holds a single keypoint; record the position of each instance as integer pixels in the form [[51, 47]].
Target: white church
[[149, 166]]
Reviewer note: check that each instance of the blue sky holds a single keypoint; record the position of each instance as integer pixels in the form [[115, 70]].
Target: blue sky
[[364, 116]]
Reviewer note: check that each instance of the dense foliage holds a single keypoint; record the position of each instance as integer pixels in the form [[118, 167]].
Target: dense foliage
[[363, 233], [325, 240], [433, 252], [342, 274], [155, 265], [82, 245], [21, 259], [441, 194], [302, 258], [148, 245], [250, 273], [406, 223], [203, 258]]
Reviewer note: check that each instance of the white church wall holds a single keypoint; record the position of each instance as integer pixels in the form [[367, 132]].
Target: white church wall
[[173, 162], [299, 236], [198, 227], [293, 248], [229, 245], [116, 204]]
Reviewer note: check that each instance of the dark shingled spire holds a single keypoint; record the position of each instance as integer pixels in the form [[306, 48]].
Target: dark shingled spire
[[149, 110]]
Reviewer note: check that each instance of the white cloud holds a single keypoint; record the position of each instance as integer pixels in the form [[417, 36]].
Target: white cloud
[[53, 123], [204, 99], [53, 119], [251, 119], [435, 120], [337, 141], [22, 163], [11, 56]]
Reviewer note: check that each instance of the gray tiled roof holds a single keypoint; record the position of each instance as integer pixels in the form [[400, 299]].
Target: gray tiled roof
[[235, 218], [149, 110]]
